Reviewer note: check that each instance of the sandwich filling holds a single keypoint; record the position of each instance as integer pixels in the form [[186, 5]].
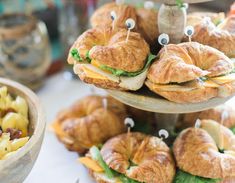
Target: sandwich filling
[[117, 72], [92, 69], [214, 82], [184, 177], [233, 129], [96, 164]]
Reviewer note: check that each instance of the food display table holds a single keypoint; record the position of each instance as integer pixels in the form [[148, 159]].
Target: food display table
[[55, 163]]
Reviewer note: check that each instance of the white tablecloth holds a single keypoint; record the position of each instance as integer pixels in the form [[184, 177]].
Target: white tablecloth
[[55, 164]]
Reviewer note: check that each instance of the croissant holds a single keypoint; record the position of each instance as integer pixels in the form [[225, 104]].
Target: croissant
[[197, 17], [179, 72], [221, 37], [148, 29], [89, 123], [216, 114], [208, 151], [103, 57], [136, 156]]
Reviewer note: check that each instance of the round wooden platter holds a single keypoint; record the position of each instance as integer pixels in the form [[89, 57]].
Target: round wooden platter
[[148, 101]]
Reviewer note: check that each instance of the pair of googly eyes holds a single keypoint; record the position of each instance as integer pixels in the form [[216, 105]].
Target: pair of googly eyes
[[164, 39], [130, 23], [162, 133]]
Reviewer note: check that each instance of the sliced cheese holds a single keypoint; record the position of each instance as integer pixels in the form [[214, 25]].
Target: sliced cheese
[[189, 86], [232, 153], [224, 79], [94, 72], [57, 129], [63, 136], [91, 164], [129, 83], [210, 84]]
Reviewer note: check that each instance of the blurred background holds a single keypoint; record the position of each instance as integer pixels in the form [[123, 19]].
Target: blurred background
[[39, 49]]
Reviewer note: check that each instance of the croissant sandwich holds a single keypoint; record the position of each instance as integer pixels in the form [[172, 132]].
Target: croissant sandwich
[[205, 154], [148, 29], [132, 158], [191, 73], [103, 57], [196, 18], [88, 122], [223, 114], [218, 33]]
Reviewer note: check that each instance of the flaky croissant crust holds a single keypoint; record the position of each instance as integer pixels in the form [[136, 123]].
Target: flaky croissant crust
[[196, 151], [221, 37], [152, 158], [197, 17], [188, 120], [188, 61], [110, 48], [88, 123], [148, 29]]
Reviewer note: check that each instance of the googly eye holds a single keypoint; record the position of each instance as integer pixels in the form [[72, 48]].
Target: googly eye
[[198, 123], [163, 134], [189, 31], [130, 23], [113, 15], [129, 122], [163, 39], [120, 2], [149, 5]]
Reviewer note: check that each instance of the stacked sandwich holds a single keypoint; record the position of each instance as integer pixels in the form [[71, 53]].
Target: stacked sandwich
[[202, 153], [94, 119], [116, 54], [110, 56]]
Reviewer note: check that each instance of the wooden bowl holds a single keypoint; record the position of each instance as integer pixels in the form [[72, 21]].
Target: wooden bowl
[[17, 167]]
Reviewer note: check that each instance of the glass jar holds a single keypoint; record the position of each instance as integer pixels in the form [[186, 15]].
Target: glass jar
[[24, 49]]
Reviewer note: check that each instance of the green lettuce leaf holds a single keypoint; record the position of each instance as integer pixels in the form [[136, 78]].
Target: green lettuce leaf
[[75, 54], [179, 3], [119, 72], [183, 177], [233, 129], [88, 59], [233, 71], [125, 179], [95, 154]]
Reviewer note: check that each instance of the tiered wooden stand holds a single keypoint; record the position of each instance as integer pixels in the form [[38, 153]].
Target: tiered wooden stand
[[166, 112], [171, 20]]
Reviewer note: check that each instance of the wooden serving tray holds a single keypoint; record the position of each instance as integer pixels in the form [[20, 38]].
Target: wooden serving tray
[[149, 101]]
